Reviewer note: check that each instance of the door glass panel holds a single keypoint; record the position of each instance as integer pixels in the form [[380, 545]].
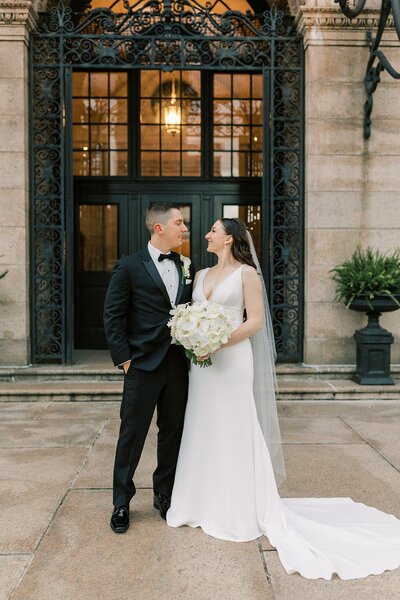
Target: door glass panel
[[251, 215], [170, 119], [98, 237], [100, 124], [237, 141]]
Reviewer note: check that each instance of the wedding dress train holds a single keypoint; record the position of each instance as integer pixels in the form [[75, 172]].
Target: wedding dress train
[[225, 483]]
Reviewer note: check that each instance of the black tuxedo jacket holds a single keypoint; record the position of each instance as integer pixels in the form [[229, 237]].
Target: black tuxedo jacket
[[136, 311]]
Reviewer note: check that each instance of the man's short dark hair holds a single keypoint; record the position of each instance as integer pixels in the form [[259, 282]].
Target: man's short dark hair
[[158, 212]]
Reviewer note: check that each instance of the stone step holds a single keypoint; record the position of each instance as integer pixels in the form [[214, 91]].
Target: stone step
[[59, 373], [96, 391], [68, 391], [106, 372]]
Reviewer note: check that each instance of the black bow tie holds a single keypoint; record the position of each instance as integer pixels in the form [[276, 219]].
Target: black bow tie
[[171, 256]]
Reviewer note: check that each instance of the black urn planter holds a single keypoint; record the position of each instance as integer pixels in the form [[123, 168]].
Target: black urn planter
[[373, 342]]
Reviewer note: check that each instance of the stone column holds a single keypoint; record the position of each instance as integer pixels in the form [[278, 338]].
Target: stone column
[[352, 186], [17, 18]]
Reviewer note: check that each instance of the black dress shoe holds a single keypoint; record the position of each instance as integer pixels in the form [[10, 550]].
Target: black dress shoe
[[120, 519], [162, 503]]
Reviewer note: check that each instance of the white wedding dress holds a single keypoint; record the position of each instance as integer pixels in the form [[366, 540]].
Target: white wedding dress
[[225, 482]]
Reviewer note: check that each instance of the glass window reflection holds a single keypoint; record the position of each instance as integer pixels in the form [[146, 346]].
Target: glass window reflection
[[100, 124], [170, 123], [237, 116], [98, 237]]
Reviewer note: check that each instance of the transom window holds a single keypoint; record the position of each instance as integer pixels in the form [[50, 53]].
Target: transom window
[[237, 125], [100, 123], [160, 124], [170, 117], [218, 6]]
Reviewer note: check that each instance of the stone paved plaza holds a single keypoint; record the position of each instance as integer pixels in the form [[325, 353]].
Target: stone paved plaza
[[56, 544]]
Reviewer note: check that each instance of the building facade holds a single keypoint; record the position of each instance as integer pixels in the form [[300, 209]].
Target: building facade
[[109, 107]]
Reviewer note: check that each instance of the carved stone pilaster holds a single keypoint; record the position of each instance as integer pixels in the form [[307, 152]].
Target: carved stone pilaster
[[18, 17], [329, 26]]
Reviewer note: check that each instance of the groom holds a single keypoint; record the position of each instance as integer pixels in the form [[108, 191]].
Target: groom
[[143, 289]]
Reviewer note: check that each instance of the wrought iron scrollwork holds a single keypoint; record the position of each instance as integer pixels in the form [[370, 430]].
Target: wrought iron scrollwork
[[164, 34], [377, 62], [287, 224]]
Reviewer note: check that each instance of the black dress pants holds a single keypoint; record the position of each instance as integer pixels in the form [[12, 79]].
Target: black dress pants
[[165, 388]]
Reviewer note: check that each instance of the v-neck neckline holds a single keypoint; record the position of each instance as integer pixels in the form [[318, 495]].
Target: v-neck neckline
[[217, 286]]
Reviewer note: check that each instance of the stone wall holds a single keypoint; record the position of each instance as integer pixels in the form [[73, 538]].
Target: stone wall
[[16, 20], [352, 185]]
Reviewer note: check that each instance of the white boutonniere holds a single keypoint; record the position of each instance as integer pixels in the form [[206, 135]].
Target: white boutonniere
[[185, 267]]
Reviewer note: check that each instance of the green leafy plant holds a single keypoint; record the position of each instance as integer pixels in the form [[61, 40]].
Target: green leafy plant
[[368, 273]]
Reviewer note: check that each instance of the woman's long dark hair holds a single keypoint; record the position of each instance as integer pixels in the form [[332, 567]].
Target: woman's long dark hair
[[240, 247]]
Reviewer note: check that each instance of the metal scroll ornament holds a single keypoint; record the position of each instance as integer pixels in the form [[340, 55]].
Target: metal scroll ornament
[[377, 62]]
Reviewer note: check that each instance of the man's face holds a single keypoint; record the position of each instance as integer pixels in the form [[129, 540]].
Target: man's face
[[173, 230]]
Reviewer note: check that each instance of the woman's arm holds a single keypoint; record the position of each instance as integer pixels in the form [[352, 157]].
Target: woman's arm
[[253, 301]]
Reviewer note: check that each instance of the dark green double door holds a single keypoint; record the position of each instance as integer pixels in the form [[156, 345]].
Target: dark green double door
[[109, 224]]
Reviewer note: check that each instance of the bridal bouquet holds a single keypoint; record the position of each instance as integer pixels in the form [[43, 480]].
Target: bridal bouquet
[[201, 328]]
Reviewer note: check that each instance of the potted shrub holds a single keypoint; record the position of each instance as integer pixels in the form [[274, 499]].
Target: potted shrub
[[370, 282]]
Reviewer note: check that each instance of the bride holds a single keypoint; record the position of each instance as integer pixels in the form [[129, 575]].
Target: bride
[[230, 455]]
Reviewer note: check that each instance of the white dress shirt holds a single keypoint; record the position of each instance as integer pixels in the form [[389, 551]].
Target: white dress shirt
[[168, 272]]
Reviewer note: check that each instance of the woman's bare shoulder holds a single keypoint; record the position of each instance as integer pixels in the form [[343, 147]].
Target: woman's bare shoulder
[[249, 271]]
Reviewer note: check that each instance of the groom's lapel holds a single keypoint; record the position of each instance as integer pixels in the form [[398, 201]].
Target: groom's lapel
[[181, 283], [154, 274]]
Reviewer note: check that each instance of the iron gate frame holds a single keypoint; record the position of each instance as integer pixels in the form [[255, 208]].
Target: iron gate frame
[[166, 35]]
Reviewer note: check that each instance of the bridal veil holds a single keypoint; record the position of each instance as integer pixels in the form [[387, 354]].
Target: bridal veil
[[264, 382]]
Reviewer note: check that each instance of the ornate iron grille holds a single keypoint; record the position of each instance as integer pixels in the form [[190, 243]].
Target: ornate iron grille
[[163, 35]]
